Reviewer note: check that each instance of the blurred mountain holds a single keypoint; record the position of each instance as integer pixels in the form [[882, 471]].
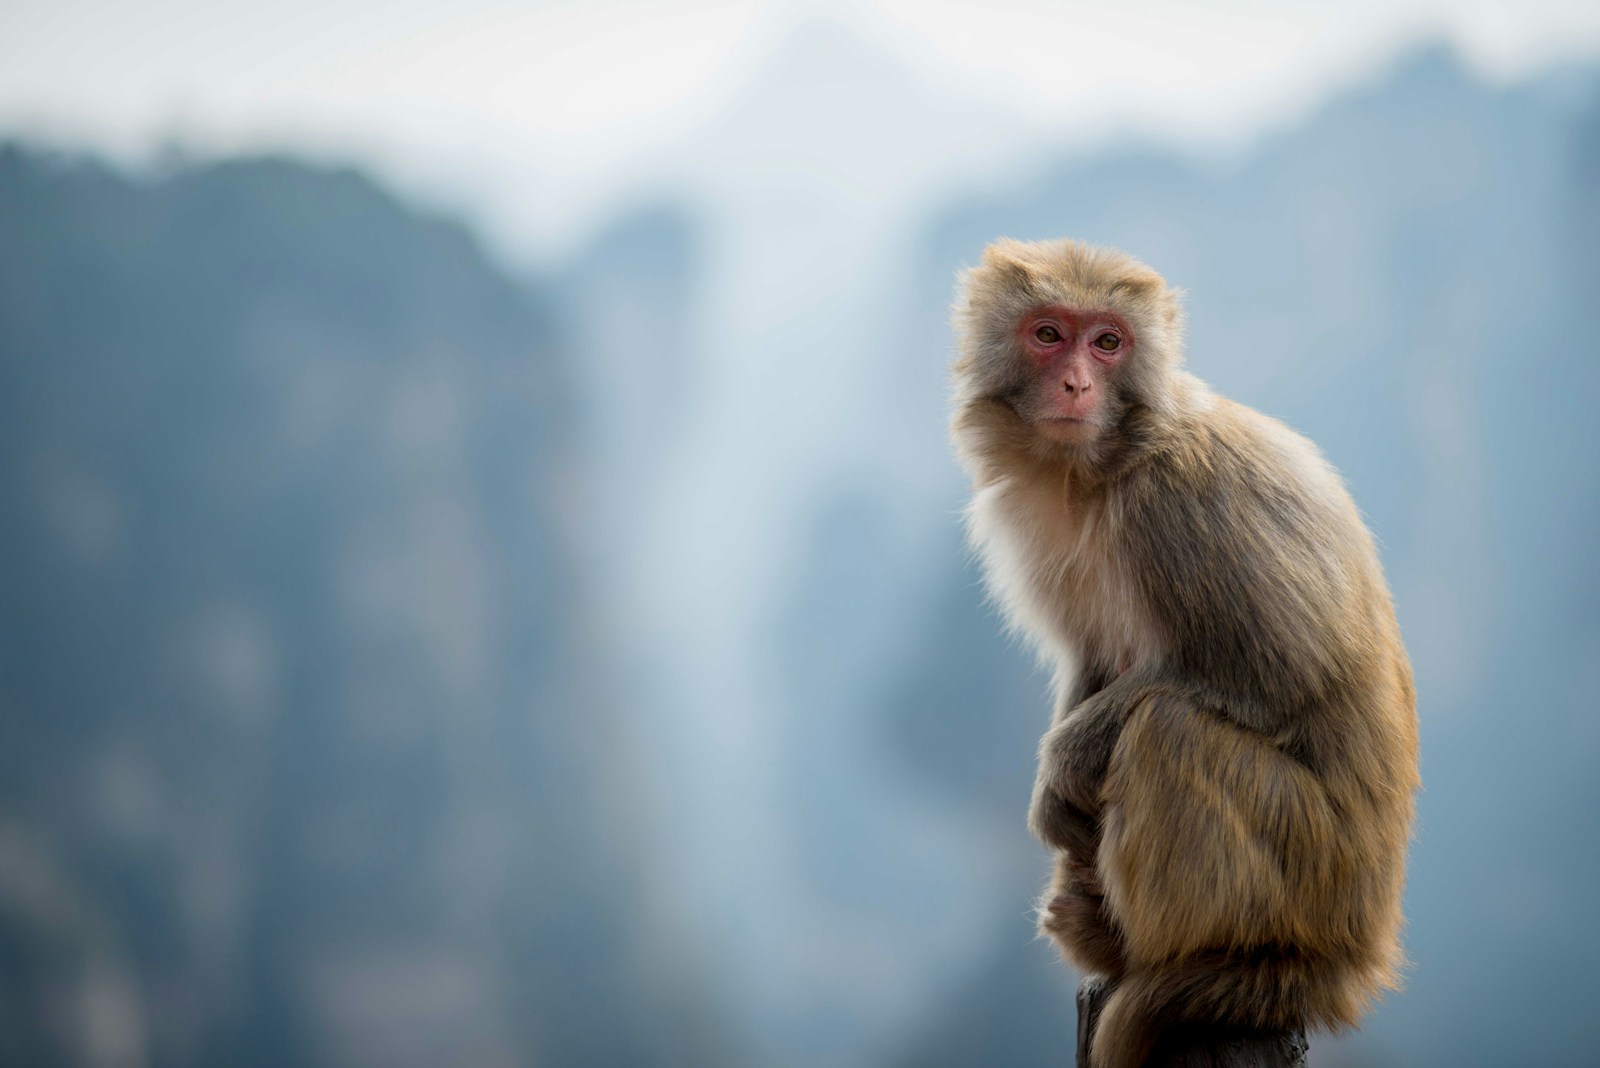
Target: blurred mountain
[[1410, 278], [302, 755]]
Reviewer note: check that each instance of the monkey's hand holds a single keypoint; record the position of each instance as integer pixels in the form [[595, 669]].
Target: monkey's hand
[[1073, 757], [1059, 823]]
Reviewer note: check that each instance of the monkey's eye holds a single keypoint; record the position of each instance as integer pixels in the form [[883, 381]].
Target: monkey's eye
[[1047, 335], [1107, 342]]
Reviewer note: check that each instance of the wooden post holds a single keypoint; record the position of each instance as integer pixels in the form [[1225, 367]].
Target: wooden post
[[1195, 1046]]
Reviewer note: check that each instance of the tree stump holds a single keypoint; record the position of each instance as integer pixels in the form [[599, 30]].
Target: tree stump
[[1196, 1046]]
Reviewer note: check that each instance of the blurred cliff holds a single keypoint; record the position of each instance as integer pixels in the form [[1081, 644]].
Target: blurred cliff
[[407, 660], [306, 757]]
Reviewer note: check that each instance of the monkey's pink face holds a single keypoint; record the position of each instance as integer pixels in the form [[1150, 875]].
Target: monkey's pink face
[[1073, 357]]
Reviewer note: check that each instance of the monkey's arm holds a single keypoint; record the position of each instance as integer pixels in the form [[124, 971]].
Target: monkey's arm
[[1196, 830], [1074, 755]]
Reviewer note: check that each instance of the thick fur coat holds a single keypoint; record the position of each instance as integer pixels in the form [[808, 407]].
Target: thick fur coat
[[1228, 778]]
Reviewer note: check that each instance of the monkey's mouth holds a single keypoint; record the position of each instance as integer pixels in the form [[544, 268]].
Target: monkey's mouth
[[1064, 429]]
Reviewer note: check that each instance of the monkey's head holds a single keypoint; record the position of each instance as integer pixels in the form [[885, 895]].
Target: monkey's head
[[1076, 342]]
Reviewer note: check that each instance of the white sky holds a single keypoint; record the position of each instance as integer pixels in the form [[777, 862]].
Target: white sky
[[486, 103]]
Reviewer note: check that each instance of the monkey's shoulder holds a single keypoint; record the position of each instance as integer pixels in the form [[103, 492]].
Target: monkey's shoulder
[[1233, 465], [1238, 516], [1256, 563]]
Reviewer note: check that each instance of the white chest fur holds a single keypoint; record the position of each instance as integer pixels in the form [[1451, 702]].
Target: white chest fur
[[1055, 566]]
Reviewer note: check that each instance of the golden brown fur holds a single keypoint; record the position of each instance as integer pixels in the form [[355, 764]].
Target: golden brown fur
[[1229, 774]]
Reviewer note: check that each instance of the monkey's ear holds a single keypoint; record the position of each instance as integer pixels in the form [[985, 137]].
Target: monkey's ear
[[1140, 284], [1003, 260]]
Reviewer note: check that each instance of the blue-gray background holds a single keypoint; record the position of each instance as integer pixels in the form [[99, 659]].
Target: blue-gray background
[[410, 658]]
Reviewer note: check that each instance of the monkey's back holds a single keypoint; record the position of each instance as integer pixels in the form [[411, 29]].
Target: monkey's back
[[1267, 587]]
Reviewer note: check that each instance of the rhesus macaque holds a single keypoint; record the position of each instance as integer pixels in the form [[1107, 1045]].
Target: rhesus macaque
[[1229, 772]]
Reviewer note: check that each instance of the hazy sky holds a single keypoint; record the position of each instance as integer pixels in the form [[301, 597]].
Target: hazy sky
[[493, 104]]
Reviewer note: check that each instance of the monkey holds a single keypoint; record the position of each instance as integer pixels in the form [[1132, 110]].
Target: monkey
[[1227, 781]]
